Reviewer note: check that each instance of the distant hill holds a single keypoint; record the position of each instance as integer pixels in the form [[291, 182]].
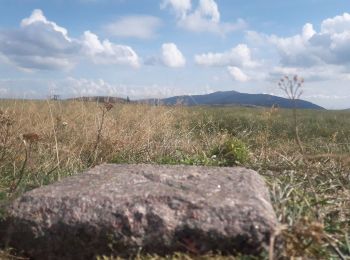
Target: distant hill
[[234, 98], [220, 98], [100, 99]]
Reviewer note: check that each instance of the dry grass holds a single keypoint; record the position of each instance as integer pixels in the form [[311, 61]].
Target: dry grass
[[41, 142], [66, 136]]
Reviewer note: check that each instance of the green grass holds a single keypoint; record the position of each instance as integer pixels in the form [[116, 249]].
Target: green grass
[[310, 192]]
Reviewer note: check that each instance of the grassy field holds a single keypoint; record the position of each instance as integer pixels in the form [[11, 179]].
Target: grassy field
[[44, 141]]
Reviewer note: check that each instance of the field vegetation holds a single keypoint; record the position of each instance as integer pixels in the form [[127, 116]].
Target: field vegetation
[[44, 141]]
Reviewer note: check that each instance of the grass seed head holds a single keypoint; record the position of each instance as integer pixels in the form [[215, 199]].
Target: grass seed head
[[108, 106]]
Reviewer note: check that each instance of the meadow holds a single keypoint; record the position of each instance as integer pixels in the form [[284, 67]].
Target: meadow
[[44, 141]]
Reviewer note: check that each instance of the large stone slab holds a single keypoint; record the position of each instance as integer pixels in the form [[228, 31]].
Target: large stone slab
[[125, 209]]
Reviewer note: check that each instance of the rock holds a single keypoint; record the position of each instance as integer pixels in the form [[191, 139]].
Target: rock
[[127, 209]]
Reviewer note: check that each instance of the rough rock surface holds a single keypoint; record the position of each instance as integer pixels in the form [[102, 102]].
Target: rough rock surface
[[157, 209]]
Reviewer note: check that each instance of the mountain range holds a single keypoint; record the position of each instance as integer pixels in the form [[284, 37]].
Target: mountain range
[[234, 98], [220, 98]]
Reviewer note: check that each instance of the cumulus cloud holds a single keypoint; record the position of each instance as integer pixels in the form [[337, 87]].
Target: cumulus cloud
[[239, 56], [237, 74], [108, 53], [294, 51], [172, 56], [317, 55], [312, 48], [137, 26], [40, 44], [337, 24], [209, 8], [238, 62], [180, 7], [38, 16], [204, 18]]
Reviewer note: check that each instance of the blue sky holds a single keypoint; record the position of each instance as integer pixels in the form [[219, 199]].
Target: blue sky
[[159, 48]]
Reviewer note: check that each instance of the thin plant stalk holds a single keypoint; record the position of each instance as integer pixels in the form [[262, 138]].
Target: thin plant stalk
[[292, 87]]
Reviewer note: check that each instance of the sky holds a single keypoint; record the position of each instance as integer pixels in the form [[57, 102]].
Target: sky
[[162, 48]]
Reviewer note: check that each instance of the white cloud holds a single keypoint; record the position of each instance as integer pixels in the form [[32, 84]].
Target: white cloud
[[209, 8], [204, 18], [238, 61], [196, 23], [37, 16], [40, 44], [311, 48], [172, 56], [85, 87], [308, 32], [318, 56], [337, 24], [313, 73], [137, 26], [238, 74], [296, 50], [239, 56], [108, 53], [181, 7]]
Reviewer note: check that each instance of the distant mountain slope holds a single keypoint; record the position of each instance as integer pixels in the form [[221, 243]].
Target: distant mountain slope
[[235, 98]]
